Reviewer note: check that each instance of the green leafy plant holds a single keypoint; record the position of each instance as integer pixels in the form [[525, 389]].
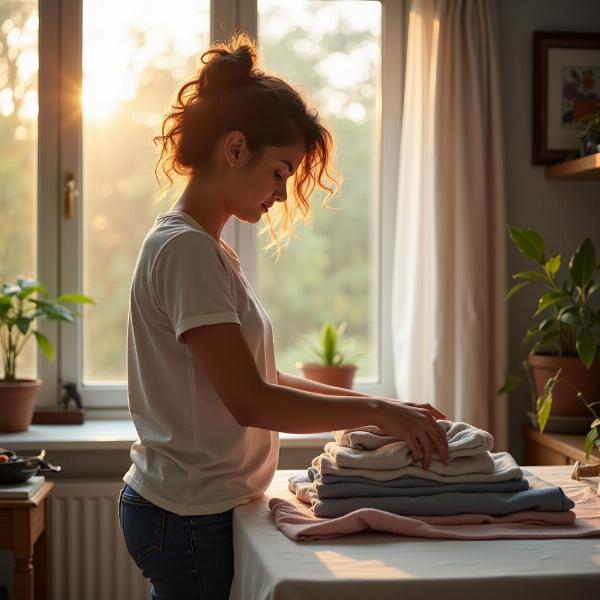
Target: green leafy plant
[[328, 351], [19, 310], [590, 126], [568, 324]]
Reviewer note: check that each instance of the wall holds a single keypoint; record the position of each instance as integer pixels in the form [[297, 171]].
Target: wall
[[565, 213]]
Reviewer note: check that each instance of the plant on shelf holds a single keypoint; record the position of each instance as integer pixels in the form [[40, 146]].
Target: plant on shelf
[[19, 309], [590, 132], [562, 365], [334, 365]]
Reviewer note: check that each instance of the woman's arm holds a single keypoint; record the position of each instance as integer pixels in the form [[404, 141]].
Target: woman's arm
[[222, 353], [308, 385]]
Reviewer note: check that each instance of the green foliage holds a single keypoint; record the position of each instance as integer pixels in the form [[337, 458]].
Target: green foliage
[[544, 402], [570, 324], [590, 439], [328, 351], [511, 383], [19, 310], [590, 126]]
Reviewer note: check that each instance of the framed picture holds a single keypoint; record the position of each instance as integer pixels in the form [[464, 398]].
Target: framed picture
[[566, 86]]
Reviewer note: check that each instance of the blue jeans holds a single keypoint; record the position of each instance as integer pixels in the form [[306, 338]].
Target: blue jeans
[[185, 558]]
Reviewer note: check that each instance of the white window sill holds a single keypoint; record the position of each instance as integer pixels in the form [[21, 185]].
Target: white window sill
[[115, 434]]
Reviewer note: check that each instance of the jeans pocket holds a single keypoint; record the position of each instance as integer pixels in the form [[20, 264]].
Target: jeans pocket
[[143, 525]]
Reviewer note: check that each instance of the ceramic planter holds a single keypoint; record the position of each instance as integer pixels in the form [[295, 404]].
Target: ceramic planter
[[337, 376], [17, 402], [564, 398]]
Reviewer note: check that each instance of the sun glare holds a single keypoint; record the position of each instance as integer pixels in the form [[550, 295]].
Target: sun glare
[[99, 102], [117, 53]]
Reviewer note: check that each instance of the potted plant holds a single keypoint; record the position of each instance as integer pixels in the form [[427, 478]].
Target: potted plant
[[590, 133], [334, 366], [18, 311], [562, 365]]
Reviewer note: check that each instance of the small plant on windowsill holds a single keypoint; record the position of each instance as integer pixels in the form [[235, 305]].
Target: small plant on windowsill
[[562, 366], [334, 366], [18, 311]]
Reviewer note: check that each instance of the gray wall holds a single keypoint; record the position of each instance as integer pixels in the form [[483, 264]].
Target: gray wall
[[565, 213]]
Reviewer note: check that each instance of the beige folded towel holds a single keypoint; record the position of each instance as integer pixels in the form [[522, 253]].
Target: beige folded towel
[[463, 439], [397, 455], [497, 466]]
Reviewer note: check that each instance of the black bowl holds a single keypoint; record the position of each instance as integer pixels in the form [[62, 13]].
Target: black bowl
[[20, 468]]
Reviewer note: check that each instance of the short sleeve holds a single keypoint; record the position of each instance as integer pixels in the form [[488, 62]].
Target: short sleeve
[[192, 284]]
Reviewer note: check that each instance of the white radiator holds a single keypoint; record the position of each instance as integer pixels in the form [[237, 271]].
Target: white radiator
[[88, 558]]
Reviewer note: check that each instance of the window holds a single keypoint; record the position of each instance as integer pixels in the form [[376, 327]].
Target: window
[[117, 71], [18, 149], [128, 72], [131, 71], [332, 52]]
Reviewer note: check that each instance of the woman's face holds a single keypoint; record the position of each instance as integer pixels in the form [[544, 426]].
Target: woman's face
[[256, 183]]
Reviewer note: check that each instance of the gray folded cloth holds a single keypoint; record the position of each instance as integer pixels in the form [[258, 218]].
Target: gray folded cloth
[[412, 487], [463, 439], [486, 467], [540, 496]]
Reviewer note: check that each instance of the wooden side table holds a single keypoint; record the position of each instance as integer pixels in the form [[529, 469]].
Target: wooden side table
[[23, 529], [555, 448]]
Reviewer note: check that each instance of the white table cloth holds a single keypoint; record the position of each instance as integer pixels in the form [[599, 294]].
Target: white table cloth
[[381, 566]]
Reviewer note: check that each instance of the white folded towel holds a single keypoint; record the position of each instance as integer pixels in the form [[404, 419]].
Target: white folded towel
[[397, 456], [498, 466], [463, 439]]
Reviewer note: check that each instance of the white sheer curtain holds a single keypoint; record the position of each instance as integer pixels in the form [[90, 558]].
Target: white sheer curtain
[[449, 313]]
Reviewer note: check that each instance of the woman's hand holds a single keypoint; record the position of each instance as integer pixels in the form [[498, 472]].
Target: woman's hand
[[432, 409], [416, 424]]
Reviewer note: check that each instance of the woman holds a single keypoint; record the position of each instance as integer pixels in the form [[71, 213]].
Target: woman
[[204, 392]]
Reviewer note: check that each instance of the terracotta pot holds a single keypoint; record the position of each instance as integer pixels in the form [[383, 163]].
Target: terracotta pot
[[17, 401], [564, 398], [336, 376]]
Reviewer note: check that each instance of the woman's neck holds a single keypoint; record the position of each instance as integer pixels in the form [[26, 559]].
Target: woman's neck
[[204, 202]]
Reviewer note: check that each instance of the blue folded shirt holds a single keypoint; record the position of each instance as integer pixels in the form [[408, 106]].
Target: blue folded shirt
[[539, 495], [361, 487]]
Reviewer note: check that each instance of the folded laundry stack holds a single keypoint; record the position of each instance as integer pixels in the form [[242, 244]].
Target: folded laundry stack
[[364, 468]]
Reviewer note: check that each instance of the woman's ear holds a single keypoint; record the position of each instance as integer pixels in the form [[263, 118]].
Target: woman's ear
[[234, 146]]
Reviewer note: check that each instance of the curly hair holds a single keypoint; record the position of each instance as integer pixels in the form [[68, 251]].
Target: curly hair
[[230, 93]]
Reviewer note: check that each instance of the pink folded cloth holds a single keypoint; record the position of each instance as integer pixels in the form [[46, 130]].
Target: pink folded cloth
[[298, 523]]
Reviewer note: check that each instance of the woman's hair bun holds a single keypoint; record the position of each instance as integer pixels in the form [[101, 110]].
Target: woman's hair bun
[[227, 64]]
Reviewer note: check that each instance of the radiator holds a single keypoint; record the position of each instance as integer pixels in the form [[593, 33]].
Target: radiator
[[88, 558]]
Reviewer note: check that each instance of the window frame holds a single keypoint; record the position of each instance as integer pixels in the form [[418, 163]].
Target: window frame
[[60, 240], [47, 185]]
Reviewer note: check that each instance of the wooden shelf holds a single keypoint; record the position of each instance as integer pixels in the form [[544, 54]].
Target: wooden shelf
[[586, 167], [555, 448]]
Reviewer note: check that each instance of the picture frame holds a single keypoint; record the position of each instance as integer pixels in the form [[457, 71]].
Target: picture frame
[[566, 86]]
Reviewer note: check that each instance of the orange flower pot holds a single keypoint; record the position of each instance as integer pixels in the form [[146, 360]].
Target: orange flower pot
[[342, 377], [564, 398], [17, 402]]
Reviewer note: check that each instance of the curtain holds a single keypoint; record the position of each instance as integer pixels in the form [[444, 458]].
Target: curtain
[[449, 321]]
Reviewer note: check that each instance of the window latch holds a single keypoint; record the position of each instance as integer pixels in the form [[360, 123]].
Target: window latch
[[71, 194]]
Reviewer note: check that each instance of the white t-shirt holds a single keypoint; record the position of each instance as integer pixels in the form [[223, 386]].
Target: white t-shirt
[[192, 458]]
